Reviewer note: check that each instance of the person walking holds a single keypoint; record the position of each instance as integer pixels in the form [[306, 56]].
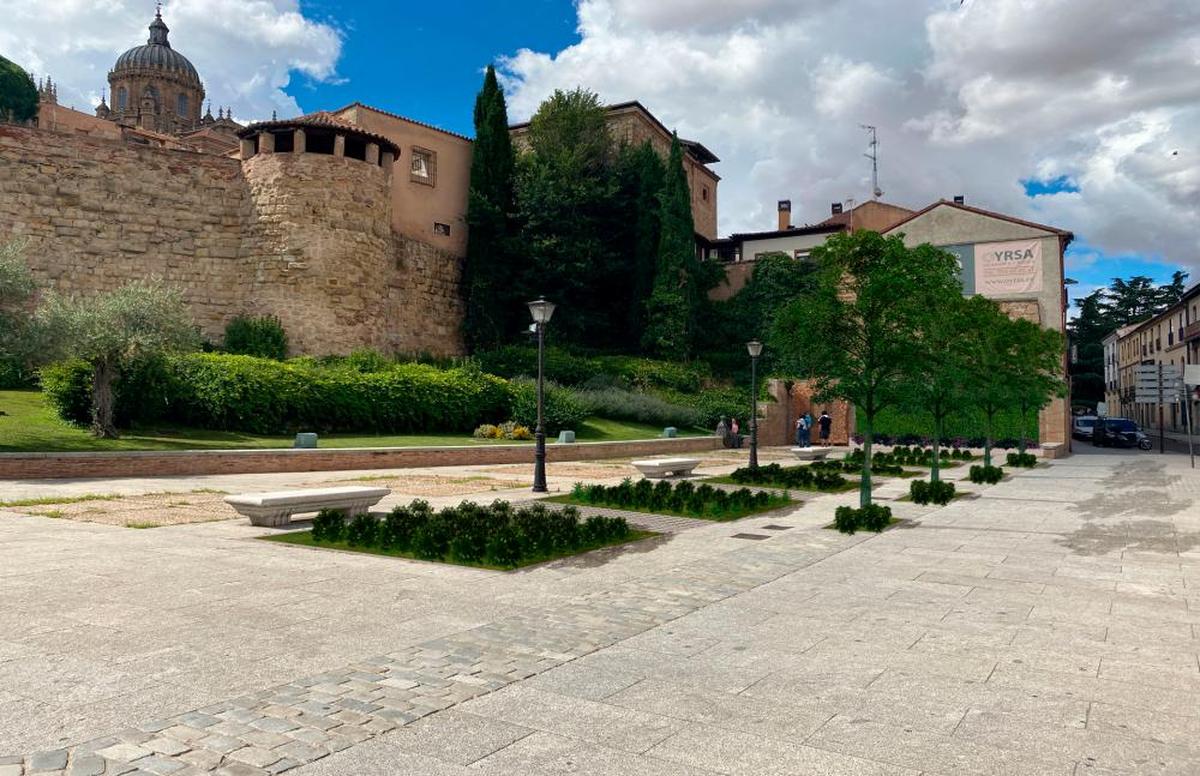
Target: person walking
[[826, 423], [808, 427], [733, 429], [800, 431], [723, 432], [803, 431]]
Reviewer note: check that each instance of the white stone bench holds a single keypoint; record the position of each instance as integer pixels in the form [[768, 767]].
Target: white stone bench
[[657, 468], [277, 508], [811, 453]]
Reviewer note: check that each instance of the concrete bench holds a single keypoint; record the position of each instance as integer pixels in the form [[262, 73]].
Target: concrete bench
[[657, 468], [277, 508], [811, 453]]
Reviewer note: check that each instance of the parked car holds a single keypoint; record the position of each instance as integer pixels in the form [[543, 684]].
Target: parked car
[[1119, 432], [1082, 426]]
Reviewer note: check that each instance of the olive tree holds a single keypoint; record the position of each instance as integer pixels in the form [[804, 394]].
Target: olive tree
[[16, 297], [111, 329]]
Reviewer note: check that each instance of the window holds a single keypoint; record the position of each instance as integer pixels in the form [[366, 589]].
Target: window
[[122, 98], [181, 106], [704, 193], [424, 166], [442, 229]]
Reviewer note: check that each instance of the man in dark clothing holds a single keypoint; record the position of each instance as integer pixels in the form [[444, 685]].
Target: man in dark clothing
[[826, 423]]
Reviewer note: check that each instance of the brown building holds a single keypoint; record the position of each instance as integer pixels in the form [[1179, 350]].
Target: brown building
[[631, 125]]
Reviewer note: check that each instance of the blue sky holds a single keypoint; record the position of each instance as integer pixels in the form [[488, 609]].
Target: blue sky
[[429, 65]]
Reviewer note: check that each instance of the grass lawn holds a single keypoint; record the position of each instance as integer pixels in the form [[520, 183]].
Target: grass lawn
[[30, 425], [304, 539], [567, 498]]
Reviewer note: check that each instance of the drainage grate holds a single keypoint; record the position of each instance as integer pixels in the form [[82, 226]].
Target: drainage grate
[[773, 527], [754, 537]]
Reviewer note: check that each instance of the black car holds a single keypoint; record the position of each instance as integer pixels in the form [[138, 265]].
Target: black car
[[1119, 432]]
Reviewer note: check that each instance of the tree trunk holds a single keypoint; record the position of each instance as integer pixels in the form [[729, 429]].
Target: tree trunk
[[103, 376], [864, 486], [937, 447], [1024, 424], [987, 440]]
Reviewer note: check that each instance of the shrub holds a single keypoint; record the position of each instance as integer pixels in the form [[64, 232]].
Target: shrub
[[804, 477], [507, 430], [261, 336], [986, 475], [563, 408], [873, 517], [471, 533], [14, 376], [881, 463], [1021, 460], [619, 404], [329, 525], [923, 492], [969, 424], [576, 369], [683, 498], [712, 404]]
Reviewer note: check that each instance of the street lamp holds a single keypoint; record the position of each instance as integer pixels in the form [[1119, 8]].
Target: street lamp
[[541, 310], [754, 347]]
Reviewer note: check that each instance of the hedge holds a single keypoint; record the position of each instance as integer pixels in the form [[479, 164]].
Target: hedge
[[619, 404], [562, 407], [260, 396], [571, 369], [904, 427]]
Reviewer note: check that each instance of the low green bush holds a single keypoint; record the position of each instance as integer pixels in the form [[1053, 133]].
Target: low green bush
[[881, 463], [496, 534], [985, 475], [922, 492], [712, 404], [872, 517], [261, 336], [803, 477], [15, 376], [563, 409], [329, 525], [620, 404], [577, 369], [906, 426], [1022, 460], [681, 498]]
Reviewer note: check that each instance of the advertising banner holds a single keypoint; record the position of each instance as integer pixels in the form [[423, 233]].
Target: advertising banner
[[1008, 267]]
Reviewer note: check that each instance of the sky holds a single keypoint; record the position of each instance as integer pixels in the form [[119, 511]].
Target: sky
[[1083, 114]]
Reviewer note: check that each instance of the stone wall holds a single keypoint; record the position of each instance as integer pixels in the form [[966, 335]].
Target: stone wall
[[307, 237], [99, 213]]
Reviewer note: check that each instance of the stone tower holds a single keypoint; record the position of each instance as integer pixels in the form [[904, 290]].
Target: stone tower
[[155, 87]]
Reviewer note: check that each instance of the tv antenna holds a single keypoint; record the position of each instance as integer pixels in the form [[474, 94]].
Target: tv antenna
[[876, 192]]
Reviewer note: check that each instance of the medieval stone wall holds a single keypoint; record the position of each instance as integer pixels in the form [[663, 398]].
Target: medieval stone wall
[[307, 237], [99, 213]]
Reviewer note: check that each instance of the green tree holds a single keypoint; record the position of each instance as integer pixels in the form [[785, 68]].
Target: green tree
[[988, 337], [1034, 372], [1091, 324], [111, 330], [644, 176], [566, 204], [938, 379], [17, 290], [857, 335], [488, 271], [18, 94], [673, 307]]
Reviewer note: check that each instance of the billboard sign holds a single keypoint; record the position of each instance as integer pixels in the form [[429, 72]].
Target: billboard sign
[[1013, 267]]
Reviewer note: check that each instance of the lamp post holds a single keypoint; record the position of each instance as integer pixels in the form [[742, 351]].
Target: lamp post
[[754, 347], [541, 310]]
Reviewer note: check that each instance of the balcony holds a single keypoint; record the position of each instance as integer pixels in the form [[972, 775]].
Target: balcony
[[1191, 331]]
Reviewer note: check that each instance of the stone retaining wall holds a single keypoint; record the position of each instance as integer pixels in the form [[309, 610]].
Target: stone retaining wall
[[15, 466]]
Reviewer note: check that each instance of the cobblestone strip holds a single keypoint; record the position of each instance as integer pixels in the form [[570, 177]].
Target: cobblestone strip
[[283, 727]]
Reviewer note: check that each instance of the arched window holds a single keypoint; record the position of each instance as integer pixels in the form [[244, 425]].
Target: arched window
[[181, 106], [122, 98]]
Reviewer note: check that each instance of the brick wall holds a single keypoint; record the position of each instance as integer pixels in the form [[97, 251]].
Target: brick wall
[[151, 464]]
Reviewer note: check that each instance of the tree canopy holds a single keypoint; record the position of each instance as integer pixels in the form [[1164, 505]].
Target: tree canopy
[[18, 93]]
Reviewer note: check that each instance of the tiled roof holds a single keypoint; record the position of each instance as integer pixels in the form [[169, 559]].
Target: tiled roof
[[322, 119], [402, 118]]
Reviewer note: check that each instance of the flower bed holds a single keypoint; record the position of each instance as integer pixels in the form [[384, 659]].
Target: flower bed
[[683, 499], [496, 535]]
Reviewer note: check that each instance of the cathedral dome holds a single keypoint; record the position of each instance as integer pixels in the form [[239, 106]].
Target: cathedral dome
[[156, 55]]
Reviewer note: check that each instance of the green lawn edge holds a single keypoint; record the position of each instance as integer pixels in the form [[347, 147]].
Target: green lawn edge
[[566, 498], [304, 539]]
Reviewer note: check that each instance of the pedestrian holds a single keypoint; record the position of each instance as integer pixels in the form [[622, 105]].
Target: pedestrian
[[808, 425], [733, 430], [723, 432], [826, 423], [800, 431]]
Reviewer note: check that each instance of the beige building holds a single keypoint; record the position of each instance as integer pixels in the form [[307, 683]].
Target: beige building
[[631, 124], [1171, 338]]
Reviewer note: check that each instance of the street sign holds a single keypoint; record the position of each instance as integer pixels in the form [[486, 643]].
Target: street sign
[[1157, 383], [1191, 374]]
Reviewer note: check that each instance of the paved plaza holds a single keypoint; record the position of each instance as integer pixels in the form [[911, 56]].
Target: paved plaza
[[1048, 626]]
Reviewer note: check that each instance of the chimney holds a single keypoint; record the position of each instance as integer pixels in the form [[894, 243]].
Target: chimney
[[959, 199], [836, 208], [785, 214]]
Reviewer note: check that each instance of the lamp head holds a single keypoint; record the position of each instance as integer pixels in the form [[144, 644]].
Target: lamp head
[[541, 310], [754, 347]]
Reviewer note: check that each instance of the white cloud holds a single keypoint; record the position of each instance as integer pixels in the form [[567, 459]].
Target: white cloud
[[244, 50], [969, 99]]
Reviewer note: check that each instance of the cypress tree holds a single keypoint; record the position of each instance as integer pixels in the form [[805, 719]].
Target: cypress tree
[[650, 177], [488, 272], [671, 309]]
